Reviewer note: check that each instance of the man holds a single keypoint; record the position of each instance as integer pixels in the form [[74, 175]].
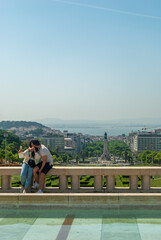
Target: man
[[43, 167]]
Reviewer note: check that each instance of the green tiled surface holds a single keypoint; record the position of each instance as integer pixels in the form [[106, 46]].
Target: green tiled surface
[[86, 228], [14, 232], [49, 221], [120, 231], [97, 224], [150, 231], [82, 232], [42, 232], [10, 221]]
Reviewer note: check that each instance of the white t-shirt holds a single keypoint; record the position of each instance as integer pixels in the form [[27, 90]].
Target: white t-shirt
[[43, 151]]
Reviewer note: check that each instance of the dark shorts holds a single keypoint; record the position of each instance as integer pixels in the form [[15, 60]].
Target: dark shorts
[[46, 168]]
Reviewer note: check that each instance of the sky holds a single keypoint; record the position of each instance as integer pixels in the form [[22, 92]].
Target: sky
[[80, 59]]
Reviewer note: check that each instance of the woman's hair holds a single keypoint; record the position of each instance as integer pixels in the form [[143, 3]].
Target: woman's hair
[[36, 149], [30, 144]]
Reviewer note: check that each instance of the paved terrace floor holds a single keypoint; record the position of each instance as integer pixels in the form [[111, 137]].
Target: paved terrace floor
[[72, 224]]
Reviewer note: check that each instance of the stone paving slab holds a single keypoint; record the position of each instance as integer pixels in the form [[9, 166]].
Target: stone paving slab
[[85, 231], [149, 231], [44, 229], [121, 231]]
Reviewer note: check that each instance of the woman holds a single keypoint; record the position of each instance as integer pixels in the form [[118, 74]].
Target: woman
[[32, 157]]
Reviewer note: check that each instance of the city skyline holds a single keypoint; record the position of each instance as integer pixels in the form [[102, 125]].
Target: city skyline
[[80, 60]]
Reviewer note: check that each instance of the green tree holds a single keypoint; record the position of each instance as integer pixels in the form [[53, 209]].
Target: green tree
[[65, 157], [83, 155], [157, 158], [2, 154], [57, 148], [118, 148], [12, 138], [77, 158], [115, 147]]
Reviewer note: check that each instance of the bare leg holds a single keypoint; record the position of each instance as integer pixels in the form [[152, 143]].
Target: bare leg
[[36, 175], [42, 181]]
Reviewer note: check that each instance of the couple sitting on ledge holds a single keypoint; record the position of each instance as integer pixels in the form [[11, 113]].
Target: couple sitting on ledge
[[37, 162]]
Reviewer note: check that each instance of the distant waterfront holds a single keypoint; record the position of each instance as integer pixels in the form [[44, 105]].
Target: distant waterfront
[[99, 129]]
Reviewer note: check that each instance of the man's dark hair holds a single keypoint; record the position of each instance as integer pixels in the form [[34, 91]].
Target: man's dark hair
[[36, 142]]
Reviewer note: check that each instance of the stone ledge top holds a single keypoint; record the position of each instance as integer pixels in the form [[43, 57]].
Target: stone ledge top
[[86, 168], [70, 171], [81, 194]]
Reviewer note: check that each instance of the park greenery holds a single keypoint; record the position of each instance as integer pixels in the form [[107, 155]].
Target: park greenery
[[13, 144], [121, 150], [115, 147], [149, 157], [88, 181]]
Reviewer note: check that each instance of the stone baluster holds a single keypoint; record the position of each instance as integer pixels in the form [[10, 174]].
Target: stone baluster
[[63, 183], [133, 182], [145, 180], [75, 183], [97, 183], [6, 182], [110, 182]]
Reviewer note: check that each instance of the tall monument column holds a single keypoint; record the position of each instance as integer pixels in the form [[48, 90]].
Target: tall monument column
[[105, 156], [105, 151]]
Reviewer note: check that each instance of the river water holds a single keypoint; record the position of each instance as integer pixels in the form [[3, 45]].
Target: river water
[[100, 129]]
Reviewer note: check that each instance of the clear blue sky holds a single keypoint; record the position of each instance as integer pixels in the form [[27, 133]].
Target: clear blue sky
[[80, 59]]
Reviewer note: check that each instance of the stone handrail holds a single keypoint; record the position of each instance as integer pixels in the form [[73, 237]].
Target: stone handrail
[[97, 172]]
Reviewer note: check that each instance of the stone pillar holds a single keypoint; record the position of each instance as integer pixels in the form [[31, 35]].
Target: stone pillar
[[145, 182], [110, 182], [6, 182], [75, 183], [97, 183], [63, 184], [133, 182]]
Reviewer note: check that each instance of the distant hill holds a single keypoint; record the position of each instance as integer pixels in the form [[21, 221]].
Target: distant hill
[[18, 124]]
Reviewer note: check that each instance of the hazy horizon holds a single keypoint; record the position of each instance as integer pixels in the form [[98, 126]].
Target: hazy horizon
[[135, 121], [117, 121]]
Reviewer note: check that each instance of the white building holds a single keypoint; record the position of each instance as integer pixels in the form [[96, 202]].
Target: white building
[[143, 141], [54, 142]]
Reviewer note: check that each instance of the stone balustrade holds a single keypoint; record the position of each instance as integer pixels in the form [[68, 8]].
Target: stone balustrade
[[98, 172]]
